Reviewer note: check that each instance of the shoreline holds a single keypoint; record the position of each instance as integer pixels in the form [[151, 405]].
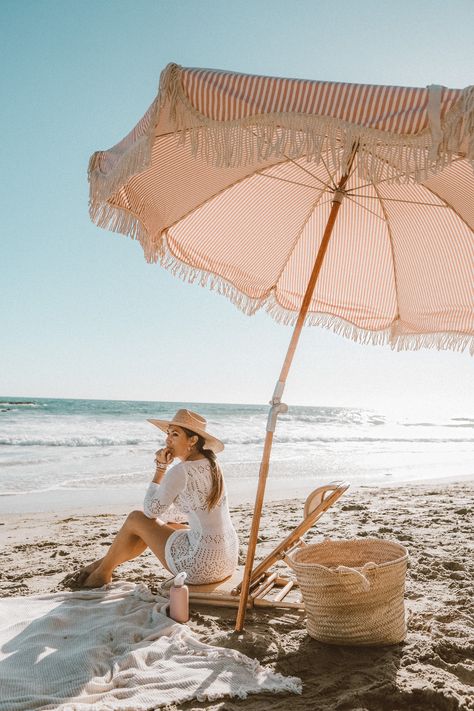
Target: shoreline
[[126, 498], [432, 669]]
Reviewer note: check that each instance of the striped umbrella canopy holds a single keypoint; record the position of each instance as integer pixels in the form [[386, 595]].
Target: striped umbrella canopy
[[343, 205], [229, 179]]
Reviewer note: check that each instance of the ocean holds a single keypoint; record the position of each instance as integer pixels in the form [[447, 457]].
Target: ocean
[[101, 450]]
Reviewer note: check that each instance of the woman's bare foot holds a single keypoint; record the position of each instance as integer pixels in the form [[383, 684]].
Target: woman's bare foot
[[96, 579], [77, 579]]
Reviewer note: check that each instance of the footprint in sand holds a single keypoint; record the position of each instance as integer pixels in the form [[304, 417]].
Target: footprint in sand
[[453, 565]]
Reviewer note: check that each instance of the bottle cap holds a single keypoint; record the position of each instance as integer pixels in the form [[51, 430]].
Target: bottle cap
[[179, 579]]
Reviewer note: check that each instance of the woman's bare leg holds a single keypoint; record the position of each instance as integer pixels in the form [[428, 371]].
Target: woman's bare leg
[[138, 533], [78, 578]]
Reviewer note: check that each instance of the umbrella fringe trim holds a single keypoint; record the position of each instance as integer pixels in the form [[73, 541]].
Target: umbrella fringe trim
[[187, 273], [400, 342], [440, 341], [232, 143], [158, 251], [117, 219], [459, 126], [108, 174]]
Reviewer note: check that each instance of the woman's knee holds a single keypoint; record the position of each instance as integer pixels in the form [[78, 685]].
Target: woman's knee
[[134, 518]]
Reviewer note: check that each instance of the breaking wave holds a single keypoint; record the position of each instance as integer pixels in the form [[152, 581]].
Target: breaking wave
[[69, 442]]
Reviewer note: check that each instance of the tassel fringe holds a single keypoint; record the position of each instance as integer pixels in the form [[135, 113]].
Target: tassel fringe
[[458, 131], [260, 137], [398, 342], [109, 170], [235, 143], [108, 217]]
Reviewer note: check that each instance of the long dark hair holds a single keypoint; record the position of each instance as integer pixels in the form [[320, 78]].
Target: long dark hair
[[217, 488]]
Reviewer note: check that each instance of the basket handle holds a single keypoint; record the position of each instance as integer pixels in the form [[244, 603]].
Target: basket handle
[[360, 573], [341, 569]]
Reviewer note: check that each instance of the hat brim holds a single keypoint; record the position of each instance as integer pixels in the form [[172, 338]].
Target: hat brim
[[211, 442]]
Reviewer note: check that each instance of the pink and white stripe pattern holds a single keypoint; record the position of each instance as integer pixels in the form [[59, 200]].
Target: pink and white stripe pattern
[[400, 264], [225, 96]]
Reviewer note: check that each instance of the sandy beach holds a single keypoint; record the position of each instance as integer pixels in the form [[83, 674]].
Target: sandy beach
[[433, 669]]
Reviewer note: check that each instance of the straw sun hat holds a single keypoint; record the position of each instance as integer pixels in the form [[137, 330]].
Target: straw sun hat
[[194, 422]]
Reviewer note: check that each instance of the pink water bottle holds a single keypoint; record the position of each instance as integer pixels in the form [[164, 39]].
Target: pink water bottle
[[179, 599]]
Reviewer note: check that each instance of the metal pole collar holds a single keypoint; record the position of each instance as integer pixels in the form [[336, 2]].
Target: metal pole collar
[[277, 406], [338, 196]]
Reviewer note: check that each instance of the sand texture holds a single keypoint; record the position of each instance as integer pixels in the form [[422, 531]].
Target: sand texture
[[432, 670]]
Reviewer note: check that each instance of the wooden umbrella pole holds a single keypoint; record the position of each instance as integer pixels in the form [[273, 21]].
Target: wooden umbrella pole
[[276, 401]]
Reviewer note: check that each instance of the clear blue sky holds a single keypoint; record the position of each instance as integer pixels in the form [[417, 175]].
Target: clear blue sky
[[82, 314]]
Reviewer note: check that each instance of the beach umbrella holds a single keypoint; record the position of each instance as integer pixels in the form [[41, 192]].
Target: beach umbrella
[[348, 206]]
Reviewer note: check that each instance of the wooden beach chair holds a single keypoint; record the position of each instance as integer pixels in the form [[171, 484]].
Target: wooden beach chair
[[270, 588]]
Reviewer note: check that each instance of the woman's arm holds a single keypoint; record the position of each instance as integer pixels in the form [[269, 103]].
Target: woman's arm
[[161, 494]]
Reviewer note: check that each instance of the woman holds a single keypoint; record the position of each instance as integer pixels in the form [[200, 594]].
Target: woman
[[207, 549]]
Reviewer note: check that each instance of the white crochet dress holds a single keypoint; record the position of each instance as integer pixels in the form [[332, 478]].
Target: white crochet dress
[[208, 550]]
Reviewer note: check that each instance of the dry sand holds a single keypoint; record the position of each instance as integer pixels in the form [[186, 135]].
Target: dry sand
[[432, 670]]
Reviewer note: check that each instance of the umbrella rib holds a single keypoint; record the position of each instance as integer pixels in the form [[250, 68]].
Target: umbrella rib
[[372, 212], [298, 237], [328, 172], [391, 179], [408, 202], [285, 180], [352, 171], [446, 204], [168, 228], [384, 180], [305, 170], [379, 182], [325, 202], [212, 197], [390, 239]]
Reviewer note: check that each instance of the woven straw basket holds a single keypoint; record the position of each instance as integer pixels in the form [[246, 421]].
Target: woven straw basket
[[353, 590]]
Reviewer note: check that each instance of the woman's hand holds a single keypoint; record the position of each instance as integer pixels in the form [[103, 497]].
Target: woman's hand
[[163, 456]]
